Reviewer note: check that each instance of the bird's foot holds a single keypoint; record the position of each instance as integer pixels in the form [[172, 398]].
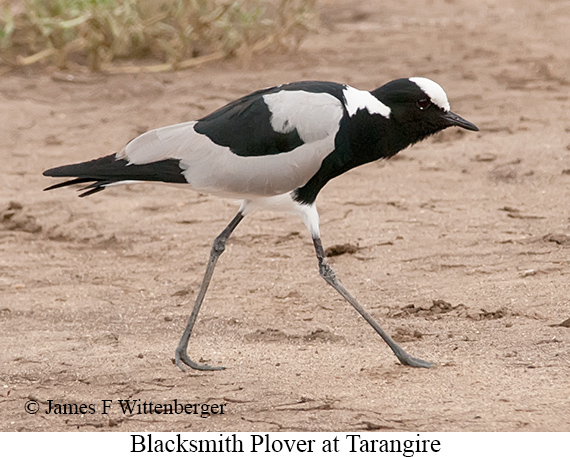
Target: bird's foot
[[183, 362], [407, 359]]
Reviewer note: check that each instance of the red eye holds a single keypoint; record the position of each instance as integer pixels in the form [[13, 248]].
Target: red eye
[[423, 103]]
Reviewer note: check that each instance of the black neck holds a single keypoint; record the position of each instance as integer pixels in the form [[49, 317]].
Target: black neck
[[364, 138]]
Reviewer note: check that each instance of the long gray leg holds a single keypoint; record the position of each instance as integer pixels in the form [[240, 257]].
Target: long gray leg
[[182, 359], [329, 276]]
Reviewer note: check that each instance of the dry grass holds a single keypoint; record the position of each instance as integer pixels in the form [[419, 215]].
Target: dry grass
[[177, 33]]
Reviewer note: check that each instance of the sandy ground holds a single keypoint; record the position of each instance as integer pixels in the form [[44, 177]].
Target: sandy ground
[[462, 244]]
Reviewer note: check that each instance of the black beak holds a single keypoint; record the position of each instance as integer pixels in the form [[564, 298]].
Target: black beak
[[458, 121]]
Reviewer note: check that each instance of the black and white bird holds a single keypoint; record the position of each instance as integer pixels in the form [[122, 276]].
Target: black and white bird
[[275, 149]]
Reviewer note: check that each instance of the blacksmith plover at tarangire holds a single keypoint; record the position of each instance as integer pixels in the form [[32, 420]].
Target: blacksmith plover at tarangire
[[275, 149]]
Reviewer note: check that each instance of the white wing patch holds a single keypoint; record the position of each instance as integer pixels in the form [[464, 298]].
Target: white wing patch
[[314, 115], [361, 99], [434, 91], [159, 144]]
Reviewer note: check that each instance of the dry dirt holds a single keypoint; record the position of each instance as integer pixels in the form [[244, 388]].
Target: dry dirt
[[459, 246]]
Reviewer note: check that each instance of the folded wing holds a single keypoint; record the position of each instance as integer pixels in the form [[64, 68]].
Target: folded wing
[[267, 143]]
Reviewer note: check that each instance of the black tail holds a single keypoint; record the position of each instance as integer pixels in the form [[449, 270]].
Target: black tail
[[109, 170]]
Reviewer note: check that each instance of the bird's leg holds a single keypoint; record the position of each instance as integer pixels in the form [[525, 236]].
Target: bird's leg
[[329, 276], [182, 359]]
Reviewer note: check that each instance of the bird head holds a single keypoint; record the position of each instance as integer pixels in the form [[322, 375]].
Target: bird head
[[420, 107]]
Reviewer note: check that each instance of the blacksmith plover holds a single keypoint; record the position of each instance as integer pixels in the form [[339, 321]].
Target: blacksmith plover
[[275, 149]]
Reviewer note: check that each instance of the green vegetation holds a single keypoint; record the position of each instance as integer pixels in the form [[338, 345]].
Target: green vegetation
[[177, 33]]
